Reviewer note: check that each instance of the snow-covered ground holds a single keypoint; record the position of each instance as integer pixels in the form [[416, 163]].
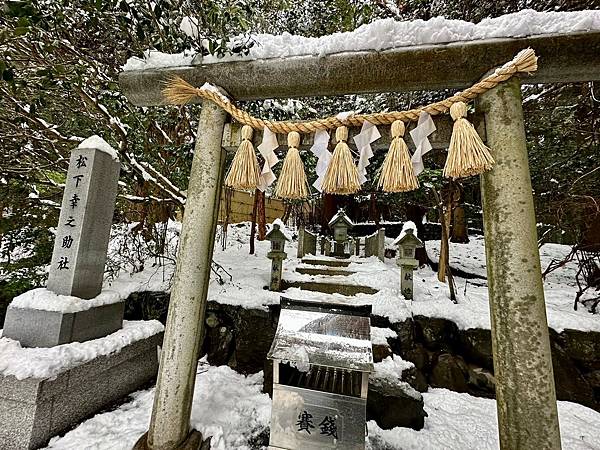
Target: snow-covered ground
[[231, 408], [250, 274], [387, 34]]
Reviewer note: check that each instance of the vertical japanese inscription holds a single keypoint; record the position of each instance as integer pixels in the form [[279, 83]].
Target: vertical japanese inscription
[[84, 225], [66, 229]]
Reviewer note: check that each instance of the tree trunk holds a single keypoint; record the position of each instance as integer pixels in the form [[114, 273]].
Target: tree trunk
[[262, 217], [444, 217], [373, 210], [459, 225], [328, 210], [253, 226]]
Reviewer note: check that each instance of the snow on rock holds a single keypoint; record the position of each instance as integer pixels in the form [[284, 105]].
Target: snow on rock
[[227, 406], [48, 362], [100, 144], [379, 335], [460, 422], [389, 34], [390, 370], [46, 300]]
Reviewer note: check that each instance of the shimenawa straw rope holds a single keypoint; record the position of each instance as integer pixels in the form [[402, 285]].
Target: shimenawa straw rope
[[467, 154], [179, 92]]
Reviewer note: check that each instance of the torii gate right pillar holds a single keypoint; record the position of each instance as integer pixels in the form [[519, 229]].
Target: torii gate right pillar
[[525, 392]]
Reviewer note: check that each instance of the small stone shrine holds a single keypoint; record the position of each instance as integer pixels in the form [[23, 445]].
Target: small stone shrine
[[340, 224], [407, 243], [307, 243]]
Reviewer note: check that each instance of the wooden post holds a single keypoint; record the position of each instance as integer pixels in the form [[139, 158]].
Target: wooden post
[[526, 398], [170, 423]]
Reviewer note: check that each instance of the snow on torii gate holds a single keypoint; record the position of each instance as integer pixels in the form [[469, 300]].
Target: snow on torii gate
[[526, 399]]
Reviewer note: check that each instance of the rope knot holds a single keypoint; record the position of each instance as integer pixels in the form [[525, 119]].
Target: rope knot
[[341, 134], [293, 139], [458, 110], [247, 133], [397, 129]]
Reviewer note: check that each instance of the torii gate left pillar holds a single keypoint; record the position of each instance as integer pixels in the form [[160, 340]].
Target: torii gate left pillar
[[170, 423]]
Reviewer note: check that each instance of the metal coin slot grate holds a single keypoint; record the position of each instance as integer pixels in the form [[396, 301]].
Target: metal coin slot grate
[[322, 378]]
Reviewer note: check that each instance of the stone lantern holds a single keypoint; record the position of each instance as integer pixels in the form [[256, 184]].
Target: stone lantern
[[407, 244], [277, 237], [340, 224]]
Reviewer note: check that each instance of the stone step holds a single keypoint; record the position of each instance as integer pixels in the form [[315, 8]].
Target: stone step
[[327, 262], [329, 288], [318, 271]]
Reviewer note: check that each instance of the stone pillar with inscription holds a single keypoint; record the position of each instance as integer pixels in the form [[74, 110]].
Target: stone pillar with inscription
[[78, 259], [39, 404], [83, 230]]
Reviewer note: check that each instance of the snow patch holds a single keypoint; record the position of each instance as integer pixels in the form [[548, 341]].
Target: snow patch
[[46, 300], [49, 362], [99, 144], [461, 422], [227, 406], [388, 34]]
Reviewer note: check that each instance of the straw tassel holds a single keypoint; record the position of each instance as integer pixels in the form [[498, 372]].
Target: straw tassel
[[467, 154], [397, 173], [292, 182], [243, 173], [342, 175]]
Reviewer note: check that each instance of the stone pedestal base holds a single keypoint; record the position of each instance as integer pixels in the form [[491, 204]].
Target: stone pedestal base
[[193, 442], [39, 328], [33, 410]]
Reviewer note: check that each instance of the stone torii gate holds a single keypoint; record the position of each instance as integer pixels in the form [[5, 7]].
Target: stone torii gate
[[526, 399]]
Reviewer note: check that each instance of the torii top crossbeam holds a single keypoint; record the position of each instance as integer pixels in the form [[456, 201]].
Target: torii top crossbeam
[[566, 57]]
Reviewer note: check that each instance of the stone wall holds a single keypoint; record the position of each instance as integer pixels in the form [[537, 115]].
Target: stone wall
[[429, 231], [444, 356]]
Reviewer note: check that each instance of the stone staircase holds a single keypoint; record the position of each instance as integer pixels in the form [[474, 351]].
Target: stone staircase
[[326, 268]]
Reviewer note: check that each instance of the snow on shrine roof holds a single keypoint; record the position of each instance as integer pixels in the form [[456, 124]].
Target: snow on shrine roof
[[341, 215], [324, 334], [408, 225], [385, 34], [282, 228]]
